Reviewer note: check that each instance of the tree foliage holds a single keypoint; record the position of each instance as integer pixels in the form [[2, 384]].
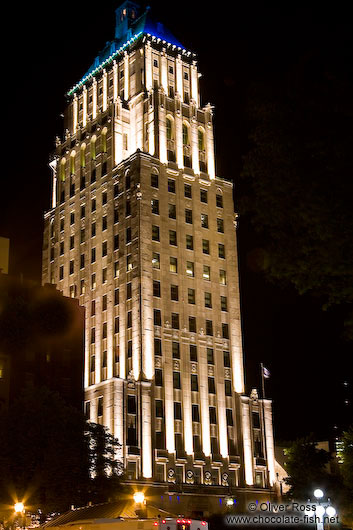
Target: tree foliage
[[298, 175], [347, 459], [51, 457], [305, 466]]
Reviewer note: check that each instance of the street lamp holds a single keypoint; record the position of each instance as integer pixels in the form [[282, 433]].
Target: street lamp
[[19, 507], [320, 510], [139, 497]]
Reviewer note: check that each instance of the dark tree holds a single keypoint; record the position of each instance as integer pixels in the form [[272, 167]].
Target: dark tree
[[48, 453], [298, 177], [305, 466]]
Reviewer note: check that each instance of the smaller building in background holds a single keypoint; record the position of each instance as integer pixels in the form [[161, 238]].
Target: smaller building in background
[[41, 341]]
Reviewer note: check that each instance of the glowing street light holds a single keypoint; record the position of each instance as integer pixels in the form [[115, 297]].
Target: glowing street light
[[139, 497], [318, 494], [19, 507]]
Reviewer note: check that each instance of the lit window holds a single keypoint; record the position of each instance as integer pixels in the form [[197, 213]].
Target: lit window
[[190, 268], [173, 264], [220, 226], [205, 246], [172, 237], [221, 251], [204, 220], [206, 272], [222, 277], [156, 260], [203, 196]]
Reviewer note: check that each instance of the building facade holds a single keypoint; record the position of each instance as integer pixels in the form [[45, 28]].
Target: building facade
[[143, 233]]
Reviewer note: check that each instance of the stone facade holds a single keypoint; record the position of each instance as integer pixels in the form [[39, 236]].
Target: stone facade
[[142, 232]]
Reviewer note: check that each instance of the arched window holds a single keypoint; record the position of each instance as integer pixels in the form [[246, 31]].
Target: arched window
[[201, 138], [72, 162], [83, 155], [186, 140], [104, 140], [170, 128], [93, 147], [62, 169]]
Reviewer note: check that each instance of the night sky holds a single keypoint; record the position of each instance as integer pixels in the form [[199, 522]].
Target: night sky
[[50, 48]]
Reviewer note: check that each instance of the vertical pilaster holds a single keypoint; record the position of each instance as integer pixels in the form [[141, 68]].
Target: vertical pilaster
[[84, 106], [118, 133], [148, 66], [222, 419], [74, 114], [205, 415], [195, 84], [126, 76], [247, 445], [210, 143], [105, 90], [270, 449], [94, 99], [146, 420]]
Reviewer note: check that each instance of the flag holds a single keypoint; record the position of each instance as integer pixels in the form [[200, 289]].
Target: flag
[[265, 373]]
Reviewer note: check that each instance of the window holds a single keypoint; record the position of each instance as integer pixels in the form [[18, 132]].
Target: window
[[129, 349], [131, 404], [156, 260], [93, 335], [226, 359], [129, 263], [104, 330], [155, 233], [128, 235], [227, 387], [156, 288], [159, 408], [62, 222], [93, 205], [211, 385], [229, 416], [61, 248], [127, 208], [129, 319], [205, 246], [127, 181], [155, 206], [190, 269], [219, 201], [116, 215], [188, 216], [187, 191], [222, 277], [191, 296], [172, 211], [171, 185], [93, 230], [192, 324], [104, 275], [193, 353], [177, 410], [176, 350], [116, 269], [209, 327], [213, 415], [157, 319], [194, 383], [83, 213], [221, 251], [158, 347], [220, 225], [104, 197], [173, 264], [172, 238], [116, 189], [224, 305], [116, 241], [206, 272], [210, 356], [204, 220], [203, 196], [100, 407], [208, 300], [116, 325], [93, 281], [104, 302], [175, 320], [154, 180], [176, 380], [189, 242], [104, 248], [82, 287], [116, 296], [72, 218], [158, 377], [174, 292], [82, 235], [195, 413], [225, 331], [71, 268], [128, 291]]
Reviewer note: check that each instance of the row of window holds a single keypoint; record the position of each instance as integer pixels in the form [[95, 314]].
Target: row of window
[[195, 412], [157, 320], [192, 353], [194, 382], [174, 295]]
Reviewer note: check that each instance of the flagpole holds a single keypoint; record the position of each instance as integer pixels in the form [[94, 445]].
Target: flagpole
[[263, 416]]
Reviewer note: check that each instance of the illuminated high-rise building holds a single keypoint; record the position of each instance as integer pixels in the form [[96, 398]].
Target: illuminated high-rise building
[[143, 233]]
